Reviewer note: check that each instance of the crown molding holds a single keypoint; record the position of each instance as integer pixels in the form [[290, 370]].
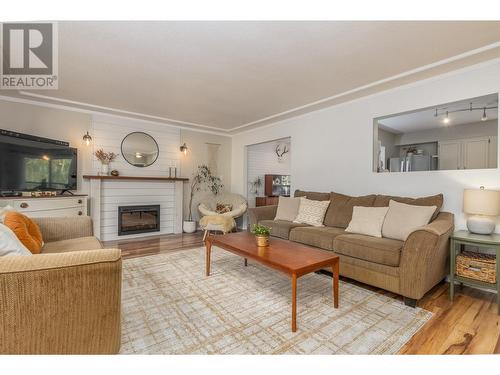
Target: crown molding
[[69, 105], [346, 96], [336, 99], [402, 86]]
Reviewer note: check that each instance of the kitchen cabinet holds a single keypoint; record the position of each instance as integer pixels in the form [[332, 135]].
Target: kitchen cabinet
[[493, 153], [449, 155], [474, 153]]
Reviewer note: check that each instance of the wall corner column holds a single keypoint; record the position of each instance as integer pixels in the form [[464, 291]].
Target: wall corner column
[[179, 204]]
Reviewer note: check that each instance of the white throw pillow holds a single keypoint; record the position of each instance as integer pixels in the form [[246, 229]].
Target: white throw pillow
[[4, 210], [10, 244], [311, 212], [402, 219], [367, 220], [288, 208]]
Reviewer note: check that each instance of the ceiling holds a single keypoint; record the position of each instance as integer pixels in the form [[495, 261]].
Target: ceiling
[[229, 75], [425, 119]]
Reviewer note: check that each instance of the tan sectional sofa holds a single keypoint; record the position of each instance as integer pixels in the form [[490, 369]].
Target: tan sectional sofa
[[66, 300], [408, 268]]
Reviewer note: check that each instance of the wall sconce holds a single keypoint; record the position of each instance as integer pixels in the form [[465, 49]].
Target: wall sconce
[[87, 138], [184, 149]]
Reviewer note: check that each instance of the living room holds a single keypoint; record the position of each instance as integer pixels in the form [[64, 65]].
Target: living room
[[312, 187]]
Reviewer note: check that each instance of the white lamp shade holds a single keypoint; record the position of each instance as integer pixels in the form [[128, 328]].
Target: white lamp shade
[[482, 202]]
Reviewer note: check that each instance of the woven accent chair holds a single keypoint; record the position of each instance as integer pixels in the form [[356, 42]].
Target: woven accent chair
[[213, 221], [239, 203]]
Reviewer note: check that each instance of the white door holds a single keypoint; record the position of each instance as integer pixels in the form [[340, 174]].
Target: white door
[[475, 153], [449, 155]]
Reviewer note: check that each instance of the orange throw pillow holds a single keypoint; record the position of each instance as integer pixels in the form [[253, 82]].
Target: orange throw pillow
[[26, 230]]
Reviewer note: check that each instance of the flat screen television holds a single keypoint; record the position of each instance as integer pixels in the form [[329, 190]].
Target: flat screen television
[[30, 163]]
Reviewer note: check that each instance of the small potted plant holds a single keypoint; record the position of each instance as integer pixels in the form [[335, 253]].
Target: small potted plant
[[105, 158], [261, 234], [255, 185]]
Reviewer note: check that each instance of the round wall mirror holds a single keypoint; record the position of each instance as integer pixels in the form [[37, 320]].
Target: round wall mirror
[[140, 149]]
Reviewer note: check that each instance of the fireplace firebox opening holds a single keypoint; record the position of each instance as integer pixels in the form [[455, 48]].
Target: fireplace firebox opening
[[138, 219]]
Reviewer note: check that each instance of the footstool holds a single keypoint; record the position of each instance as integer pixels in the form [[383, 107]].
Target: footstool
[[219, 223]]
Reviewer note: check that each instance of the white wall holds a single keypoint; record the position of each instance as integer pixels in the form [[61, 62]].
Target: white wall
[[388, 140], [198, 154], [333, 147], [262, 160], [51, 123]]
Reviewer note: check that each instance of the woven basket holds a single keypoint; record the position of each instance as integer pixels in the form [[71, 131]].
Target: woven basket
[[477, 266]]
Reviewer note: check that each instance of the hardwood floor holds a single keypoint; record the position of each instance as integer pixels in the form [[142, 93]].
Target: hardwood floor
[[132, 248], [468, 325]]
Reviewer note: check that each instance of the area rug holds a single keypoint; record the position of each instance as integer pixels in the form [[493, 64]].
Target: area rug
[[169, 306]]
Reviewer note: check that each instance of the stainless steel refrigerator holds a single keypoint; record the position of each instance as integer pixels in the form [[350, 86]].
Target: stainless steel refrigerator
[[410, 163]]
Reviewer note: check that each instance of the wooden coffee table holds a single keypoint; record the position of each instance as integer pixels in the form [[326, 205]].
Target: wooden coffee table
[[289, 257]]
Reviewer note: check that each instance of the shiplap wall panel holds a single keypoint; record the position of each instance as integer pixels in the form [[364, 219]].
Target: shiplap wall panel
[[121, 193], [108, 134], [262, 160]]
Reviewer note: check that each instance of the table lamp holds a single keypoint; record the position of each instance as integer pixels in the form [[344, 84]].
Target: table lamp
[[483, 205]]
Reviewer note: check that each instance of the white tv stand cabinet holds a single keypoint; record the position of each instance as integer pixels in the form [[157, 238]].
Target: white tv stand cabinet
[[57, 206]]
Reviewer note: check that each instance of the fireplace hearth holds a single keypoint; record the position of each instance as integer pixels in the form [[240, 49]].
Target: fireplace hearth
[[138, 219]]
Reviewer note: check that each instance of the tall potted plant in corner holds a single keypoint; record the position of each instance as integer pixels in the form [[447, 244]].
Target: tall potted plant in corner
[[202, 179]]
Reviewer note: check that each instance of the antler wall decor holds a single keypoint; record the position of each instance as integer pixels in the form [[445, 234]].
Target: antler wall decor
[[281, 149]]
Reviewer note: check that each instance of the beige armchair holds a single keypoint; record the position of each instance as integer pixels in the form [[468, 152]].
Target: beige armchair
[[65, 302], [239, 203]]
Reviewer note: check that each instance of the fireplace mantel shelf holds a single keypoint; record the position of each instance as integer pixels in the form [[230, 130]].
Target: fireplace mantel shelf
[[95, 177]]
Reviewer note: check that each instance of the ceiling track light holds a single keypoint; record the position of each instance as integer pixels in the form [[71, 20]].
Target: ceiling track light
[[446, 120], [484, 118]]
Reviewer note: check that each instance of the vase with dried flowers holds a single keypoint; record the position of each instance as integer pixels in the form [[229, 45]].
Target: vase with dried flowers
[[105, 158]]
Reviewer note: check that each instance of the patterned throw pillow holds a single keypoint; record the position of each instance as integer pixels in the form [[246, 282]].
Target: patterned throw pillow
[[311, 212], [222, 208]]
